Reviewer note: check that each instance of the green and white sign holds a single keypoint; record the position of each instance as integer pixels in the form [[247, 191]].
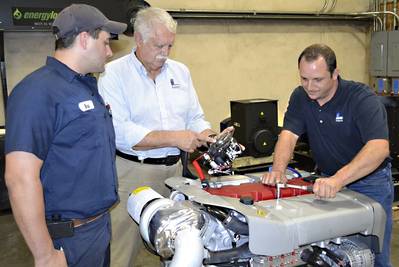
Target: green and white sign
[[34, 16]]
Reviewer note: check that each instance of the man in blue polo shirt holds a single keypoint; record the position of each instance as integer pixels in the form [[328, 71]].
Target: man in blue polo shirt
[[60, 148], [348, 135]]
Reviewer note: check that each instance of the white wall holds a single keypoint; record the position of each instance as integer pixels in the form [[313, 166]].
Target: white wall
[[268, 5], [229, 59]]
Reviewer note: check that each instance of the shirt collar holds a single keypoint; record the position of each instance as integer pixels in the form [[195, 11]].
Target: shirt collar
[[62, 69], [140, 67], [337, 94]]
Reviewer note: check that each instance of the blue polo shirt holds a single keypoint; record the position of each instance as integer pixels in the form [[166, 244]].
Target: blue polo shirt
[[58, 115], [339, 129]]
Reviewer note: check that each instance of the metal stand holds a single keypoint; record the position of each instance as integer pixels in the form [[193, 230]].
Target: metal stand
[[4, 203], [3, 76]]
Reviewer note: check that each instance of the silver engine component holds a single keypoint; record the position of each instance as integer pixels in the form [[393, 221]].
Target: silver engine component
[[222, 153], [352, 254], [194, 228]]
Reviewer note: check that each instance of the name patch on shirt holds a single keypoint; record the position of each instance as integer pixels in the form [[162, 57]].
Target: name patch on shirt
[[86, 105], [339, 117]]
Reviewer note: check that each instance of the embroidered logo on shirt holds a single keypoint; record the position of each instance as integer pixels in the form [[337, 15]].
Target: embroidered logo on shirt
[[86, 105], [174, 85], [339, 117]]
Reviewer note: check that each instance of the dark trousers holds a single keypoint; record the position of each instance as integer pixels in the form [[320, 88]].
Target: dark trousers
[[90, 244], [379, 186]]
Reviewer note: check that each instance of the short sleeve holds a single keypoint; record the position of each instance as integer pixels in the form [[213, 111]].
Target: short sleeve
[[29, 120], [371, 118], [293, 118]]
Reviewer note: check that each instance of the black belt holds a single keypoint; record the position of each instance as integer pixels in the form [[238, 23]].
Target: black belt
[[168, 161], [60, 228]]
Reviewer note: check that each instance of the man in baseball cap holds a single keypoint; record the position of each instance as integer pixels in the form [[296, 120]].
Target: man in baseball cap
[[78, 18], [60, 147]]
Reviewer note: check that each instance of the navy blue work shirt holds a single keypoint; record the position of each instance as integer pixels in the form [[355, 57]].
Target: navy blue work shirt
[[339, 129], [58, 115]]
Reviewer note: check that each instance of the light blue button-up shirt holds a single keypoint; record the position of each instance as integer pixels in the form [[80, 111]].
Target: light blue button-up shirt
[[139, 105]]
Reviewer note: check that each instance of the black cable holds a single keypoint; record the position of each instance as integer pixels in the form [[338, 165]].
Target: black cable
[[186, 171]]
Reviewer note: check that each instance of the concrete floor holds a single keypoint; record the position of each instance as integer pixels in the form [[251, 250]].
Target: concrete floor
[[14, 252]]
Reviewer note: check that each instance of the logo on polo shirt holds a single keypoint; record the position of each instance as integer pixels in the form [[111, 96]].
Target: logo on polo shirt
[[174, 84], [339, 117], [86, 105]]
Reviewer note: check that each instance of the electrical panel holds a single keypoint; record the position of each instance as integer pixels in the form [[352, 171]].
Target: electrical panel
[[393, 54], [379, 52]]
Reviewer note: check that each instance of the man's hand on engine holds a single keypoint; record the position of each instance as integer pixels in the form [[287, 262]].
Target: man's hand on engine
[[204, 138], [274, 177], [227, 130], [326, 187]]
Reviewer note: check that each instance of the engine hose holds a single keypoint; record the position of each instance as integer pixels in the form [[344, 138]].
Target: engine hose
[[218, 213], [333, 256], [313, 258], [297, 173], [237, 226], [240, 254], [198, 169]]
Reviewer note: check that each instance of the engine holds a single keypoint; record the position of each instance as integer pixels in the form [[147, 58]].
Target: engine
[[235, 220], [196, 228]]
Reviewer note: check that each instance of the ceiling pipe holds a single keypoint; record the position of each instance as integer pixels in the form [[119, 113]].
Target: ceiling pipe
[[380, 12], [255, 15], [324, 6], [385, 16], [381, 23], [376, 8], [396, 12]]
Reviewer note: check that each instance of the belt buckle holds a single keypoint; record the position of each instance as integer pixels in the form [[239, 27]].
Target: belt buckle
[[80, 222]]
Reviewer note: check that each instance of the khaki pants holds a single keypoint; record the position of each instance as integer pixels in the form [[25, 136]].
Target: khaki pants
[[126, 240]]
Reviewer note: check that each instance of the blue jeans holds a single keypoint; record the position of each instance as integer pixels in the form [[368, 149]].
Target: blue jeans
[[379, 186], [90, 244]]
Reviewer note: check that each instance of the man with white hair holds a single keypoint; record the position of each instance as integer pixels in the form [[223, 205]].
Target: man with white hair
[[156, 113]]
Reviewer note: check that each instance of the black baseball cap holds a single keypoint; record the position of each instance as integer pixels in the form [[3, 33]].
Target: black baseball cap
[[78, 18]]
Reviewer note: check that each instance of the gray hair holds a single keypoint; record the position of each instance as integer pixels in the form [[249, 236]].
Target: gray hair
[[147, 19]]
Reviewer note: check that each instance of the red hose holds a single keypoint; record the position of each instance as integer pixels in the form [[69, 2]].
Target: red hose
[[198, 169]]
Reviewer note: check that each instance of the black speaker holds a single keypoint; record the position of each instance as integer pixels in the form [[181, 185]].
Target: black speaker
[[133, 7], [255, 123]]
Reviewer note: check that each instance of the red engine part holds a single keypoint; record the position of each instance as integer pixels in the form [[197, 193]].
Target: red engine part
[[258, 191]]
